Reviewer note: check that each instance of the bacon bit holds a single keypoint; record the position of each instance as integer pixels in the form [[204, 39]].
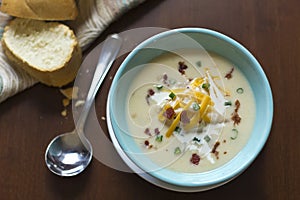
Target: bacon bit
[[195, 159], [147, 144], [237, 105], [169, 113], [235, 117], [151, 92], [182, 67], [225, 152], [165, 78], [147, 131], [214, 150], [229, 74], [184, 118], [156, 131]]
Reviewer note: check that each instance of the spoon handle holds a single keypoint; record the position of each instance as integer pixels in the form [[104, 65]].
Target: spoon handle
[[110, 50]]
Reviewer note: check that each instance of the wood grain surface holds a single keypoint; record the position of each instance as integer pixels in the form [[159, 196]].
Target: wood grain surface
[[268, 28]]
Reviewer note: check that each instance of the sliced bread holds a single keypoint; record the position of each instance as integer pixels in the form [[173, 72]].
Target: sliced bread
[[48, 51], [41, 9]]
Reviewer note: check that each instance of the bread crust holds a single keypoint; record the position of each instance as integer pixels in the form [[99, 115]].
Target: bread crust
[[58, 76], [41, 9]]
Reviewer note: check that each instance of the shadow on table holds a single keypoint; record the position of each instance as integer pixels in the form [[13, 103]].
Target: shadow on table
[[67, 187]]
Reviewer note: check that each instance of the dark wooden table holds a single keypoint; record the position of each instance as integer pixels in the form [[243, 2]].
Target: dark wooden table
[[268, 28]]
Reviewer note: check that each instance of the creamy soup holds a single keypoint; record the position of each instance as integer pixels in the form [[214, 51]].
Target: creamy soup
[[190, 112]]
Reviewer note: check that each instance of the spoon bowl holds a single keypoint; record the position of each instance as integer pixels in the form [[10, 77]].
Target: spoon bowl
[[70, 153], [67, 155]]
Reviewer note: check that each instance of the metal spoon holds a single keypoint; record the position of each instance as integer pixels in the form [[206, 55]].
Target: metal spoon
[[70, 153]]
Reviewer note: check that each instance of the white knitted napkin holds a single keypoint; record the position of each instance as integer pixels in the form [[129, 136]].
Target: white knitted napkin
[[94, 17]]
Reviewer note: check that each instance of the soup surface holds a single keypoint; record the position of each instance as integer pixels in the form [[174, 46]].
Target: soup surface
[[189, 111]]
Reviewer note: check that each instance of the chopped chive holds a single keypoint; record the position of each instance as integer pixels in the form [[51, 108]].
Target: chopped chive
[[172, 95], [235, 134], [205, 85], [177, 151], [177, 129], [196, 139], [195, 106], [207, 138], [199, 63], [159, 87], [240, 90], [159, 138], [227, 103]]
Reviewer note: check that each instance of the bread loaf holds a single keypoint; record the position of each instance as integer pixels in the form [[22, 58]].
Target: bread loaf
[[41, 9], [48, 51]]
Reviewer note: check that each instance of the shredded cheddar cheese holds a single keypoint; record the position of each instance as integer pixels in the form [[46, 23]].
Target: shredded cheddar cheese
[[194, 99], [194, 96]]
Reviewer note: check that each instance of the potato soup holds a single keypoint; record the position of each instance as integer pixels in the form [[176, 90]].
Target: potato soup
[[189, 111]]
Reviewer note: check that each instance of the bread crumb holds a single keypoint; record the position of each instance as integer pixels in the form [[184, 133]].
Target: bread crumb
[[66, 102], [79, 103], [70, 93], [64, 113], [103, 118]]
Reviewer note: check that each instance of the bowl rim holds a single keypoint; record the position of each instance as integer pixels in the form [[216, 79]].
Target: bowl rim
[[164, 174]]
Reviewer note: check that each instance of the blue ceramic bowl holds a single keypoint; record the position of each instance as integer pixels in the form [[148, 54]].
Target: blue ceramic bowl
[[214, 42]]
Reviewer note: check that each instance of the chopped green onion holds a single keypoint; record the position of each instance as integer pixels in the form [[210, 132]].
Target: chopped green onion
[[227, 103], [207, 138], [196, 106], [172, 95], [235, 134], [199, 63], [177, 129], [159, 87], [177, 151], [240, 90], [205, 85], [196, 139], [159, 138]]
